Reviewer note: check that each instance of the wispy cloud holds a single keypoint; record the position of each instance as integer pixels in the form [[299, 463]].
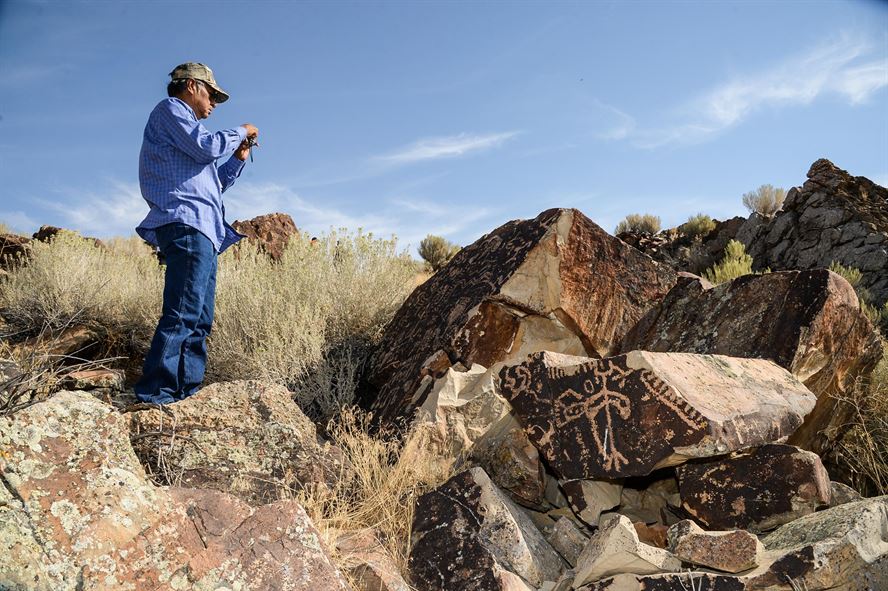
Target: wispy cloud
[[114, 211], [845, 67], [18, 220], [446, 147]]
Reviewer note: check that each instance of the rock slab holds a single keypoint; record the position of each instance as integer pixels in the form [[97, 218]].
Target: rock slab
[[77, 512], [756, 489], [248, 438], [556, 282], [271, 232], [808, 322], [468, 535], [632, 414], [731, 551]]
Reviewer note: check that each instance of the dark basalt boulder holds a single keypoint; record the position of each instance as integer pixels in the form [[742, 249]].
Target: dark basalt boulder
[[271, 232]]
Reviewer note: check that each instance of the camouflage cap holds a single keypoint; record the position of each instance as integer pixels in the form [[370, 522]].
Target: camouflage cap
[[202, 72]]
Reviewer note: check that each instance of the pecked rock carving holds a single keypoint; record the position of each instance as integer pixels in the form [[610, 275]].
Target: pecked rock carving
[[631, 414]]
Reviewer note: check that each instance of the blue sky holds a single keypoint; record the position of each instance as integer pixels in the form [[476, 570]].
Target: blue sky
[[446, 117]]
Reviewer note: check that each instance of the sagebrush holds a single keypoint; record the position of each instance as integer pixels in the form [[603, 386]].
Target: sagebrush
[[284, 321], [436, 251], [766, 200], [637, 222], [697, 226]]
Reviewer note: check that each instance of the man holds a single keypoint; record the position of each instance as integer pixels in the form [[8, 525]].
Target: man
[[183, 186]]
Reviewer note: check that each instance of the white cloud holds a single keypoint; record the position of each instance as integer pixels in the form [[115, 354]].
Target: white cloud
[[446, 147], [19, 221], [843, 67], [114, 212]]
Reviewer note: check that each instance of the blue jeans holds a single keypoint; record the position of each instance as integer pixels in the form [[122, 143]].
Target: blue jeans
[[175, 364]]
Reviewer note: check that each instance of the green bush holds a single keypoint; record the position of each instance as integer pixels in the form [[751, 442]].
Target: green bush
[[636, 222], [766, 200], [697, 226], [736, 263], [436, 251]]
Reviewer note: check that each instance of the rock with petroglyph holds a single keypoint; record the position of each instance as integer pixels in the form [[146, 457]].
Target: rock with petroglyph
[[245, 437], [615, 548], [808, 322], [557, 282], [756, 489], [632, 414], [730, 551], [469, 535], [77, 512]]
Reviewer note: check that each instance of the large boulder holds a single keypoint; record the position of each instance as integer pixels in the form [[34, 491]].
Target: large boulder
[[808, 322], [247, 438], [833, 217], [755, 489], [556, 282], [271, 232], [77, 512], [13, 249], [469, 536], [632, 414]]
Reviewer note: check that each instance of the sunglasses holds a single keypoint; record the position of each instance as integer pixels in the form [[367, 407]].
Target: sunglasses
[[214, 96]]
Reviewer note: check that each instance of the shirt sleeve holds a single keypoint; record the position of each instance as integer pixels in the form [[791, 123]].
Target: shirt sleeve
[[229, 171], [191, 137]]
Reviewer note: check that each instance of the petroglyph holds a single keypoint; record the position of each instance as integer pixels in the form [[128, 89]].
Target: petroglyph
[[618, 417]]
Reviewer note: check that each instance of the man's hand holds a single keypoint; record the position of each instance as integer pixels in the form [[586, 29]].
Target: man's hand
[[243, 151]]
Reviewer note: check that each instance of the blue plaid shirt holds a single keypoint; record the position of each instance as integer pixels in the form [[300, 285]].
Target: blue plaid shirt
[[178, 173]]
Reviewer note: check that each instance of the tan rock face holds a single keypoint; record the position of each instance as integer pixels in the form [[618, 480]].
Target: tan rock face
[[271, 232], [557, 282], [469, 536], [77, 512], [247, 438], [615, 548], [729, 551], [808, 322], [368, 564], [631, 414], [590, 498], [567, 539], [756, 489]]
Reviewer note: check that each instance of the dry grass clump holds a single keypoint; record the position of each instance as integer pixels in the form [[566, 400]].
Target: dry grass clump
[[7, 229], [309, 320], [636, 222], [70, 281], [386, 478], [864, 449]]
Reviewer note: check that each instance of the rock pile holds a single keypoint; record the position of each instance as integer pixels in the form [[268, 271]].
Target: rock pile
[[645, 465]]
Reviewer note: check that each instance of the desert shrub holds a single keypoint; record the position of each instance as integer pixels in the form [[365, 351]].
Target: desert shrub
[[766, 200], [309, 320], [735, 263], [636, 222], [386, 477], [70, 281], [436, 251], [697, 226], [864, 449]]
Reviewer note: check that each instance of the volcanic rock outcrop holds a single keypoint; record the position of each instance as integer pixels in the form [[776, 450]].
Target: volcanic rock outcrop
[[246, 438], [77, 512], [631, 414], [808, 322], [558, 277], [833, 217], [271, 232]]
